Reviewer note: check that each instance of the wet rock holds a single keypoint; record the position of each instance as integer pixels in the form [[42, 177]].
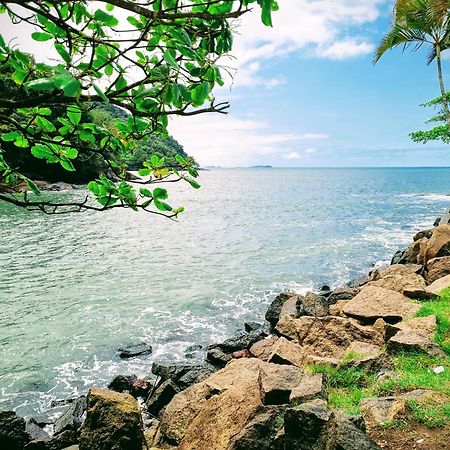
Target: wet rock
[[194, 351], [274, 311], [310, 387], [170, 371], [161, 397], [377, 411], [63, 440], [135, 350], [439, 285], [358, 281], [342, 294], [13, 435], [410, 341], [263, 349], [341, 433], [287, 352], [277, 383], [130, 384], [42, 420], [113, 422], [312, 304], [303, 425], [253, 326], [196, 374], [72, 417], [36, 433], [218, 357], [437, 268], [373, 303]]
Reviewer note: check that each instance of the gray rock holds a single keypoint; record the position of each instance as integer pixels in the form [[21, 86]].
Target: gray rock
[[312, 304], [131, 384], [135, 350], [273, 313], [342, 294], [72, 417], [196, 374], [13, 435], [161, 397], [411, 341]]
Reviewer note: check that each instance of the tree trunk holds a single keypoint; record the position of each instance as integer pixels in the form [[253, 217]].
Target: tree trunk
[[441, 84]]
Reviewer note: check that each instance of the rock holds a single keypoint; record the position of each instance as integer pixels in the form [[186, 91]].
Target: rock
[[442, 220], [290, 307], [386, 329], [135, 350], [420, 294], [438, 245], [373, 303], [341, 433], [41, 420], [261, 433], [330, 336], [36, 433], [277, 382], [361, 354], [13, 435], [63, 440], [336, 309], [402, 270], [253, 326], [310, 386], [423, 325], [400, 283], [131, 384], [113, 422], [410, 341], [342, 294], [437, 268], [263, 349], [303, 425], [170, 371], [312, 305], [439, 285], [378, 411], [410, 255], [215, 410], [161, 397], [152, 434], [423, 234], [287, 352], [72, 417], [358, 281], [274, 311], [196, 374]]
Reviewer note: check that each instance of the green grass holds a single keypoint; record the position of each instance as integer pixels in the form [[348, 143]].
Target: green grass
[[441, 309], [431, 415]]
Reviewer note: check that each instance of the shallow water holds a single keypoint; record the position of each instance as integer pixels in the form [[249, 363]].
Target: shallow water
[[75, 288]]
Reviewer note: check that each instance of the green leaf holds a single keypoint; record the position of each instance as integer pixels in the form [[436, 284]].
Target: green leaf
[[72, 88], [41, 84], [71, 153], [170, 59], [162, 206], [74, 114], [101, 93], [41, 37], [200, 93], [11, 136], [109, 7], [105, 18], [42, 152], [192, 182], [93, 187], [63, 52], [21, 142], [144, 172], [266, 12], [160, 194], [44, 124], [180, 159], [32, 186], [146, 193], [67, 165]]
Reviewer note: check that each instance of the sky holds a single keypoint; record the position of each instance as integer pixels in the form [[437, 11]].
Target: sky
[[306, 94]]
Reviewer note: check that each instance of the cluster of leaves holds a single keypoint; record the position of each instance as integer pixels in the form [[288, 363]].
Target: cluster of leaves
[[153, 59]]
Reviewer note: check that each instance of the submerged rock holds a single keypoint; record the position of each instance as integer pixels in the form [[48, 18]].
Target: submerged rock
[[113, 422], [135, 350]]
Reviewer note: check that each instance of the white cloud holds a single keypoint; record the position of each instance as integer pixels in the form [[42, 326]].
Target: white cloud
[[291, 155], [298, 155], [347, 49]]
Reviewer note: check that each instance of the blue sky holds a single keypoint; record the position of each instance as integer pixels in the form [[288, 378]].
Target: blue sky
[[307, 94]]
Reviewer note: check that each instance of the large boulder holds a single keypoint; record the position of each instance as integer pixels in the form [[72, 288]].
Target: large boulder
[[410, 254], [130, 384], [113, 422], [161, 396], [285, 351], [312, 304], [439, 285], [13, 435], [263, 349], [277, 383], [374, 303], [411, 341], [274, 310], [437, 268], [400, 283], [438, 245], [327, 337], [423, 325], [342, 294]]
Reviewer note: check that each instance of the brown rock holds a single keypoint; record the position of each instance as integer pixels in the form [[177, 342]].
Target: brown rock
[[113, 422], [277, 382], [286, 327], [336, 309], [422, 325], [438, 268], [410, 341], [287, 352], [342, 294], [310, 386], [330, 336], [400, 283], [386, 329], [312, 304], [437, 245], [424, 234], [263, 349], [241, 354], [378, 411], [289, 307], [439, 285], [373, 303]]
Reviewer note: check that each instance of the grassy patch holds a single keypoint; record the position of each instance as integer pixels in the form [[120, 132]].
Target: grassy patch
[[431, 414], [441, 309], [393, 424]]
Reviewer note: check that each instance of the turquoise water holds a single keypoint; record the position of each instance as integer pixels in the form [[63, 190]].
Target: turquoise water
[[75, 288]]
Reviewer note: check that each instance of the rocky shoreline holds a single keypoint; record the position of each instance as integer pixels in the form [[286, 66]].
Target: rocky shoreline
[[361, 367]]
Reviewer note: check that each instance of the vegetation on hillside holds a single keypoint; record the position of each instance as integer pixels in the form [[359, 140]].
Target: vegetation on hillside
[[153, 59]]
